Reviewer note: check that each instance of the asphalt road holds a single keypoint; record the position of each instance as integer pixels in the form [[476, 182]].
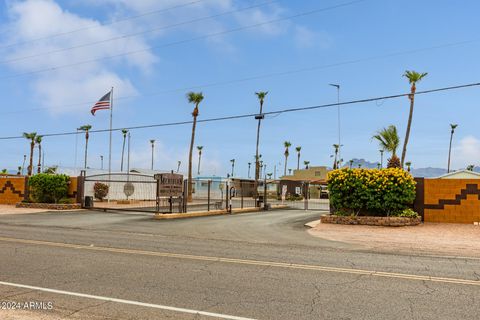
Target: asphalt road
[[257, 266]]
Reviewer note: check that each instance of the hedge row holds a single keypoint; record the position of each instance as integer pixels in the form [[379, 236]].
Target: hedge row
[[371, 191]]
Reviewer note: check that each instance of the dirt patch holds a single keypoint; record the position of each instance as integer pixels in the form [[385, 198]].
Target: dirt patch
[[428, 238], [10, 209]]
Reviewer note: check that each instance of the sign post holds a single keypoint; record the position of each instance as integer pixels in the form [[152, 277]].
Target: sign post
[[168, 185]]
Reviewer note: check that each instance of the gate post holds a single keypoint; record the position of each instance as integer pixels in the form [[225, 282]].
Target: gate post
[[226, 195], [209, 184], [305, 194], [265, 206]]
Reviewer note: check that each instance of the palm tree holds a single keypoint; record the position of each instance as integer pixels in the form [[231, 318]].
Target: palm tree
[[389, 140], [298, 149], [124, 133], [179, 163], [195, 98], [261, 97], [452, 126], [470, 167], [199, 148], [86, 128], [287, 145], [408, 164], [38, 140], [306, 163], [351, 163], [249, 165], [335, 163], [31, 137], [413, 77]]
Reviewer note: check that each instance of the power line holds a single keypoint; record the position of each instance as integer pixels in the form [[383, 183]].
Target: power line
[[263, 76], [210, 35], [126, 36], [94, 26], [250, 115]]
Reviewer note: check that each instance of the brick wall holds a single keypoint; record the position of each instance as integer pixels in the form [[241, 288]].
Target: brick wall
[[12, 189], [451, 200]]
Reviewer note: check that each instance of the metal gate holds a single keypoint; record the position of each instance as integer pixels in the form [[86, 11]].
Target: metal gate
[[126, 191]]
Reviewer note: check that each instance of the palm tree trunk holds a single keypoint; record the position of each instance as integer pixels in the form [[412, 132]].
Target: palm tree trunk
[[190, 154], [199, 161], [257, 166], [285, 169], [30, 166], [123, 152], [298, 161], [409, 124], [449, 151], [335, 160], [39, 166], [86, 151]]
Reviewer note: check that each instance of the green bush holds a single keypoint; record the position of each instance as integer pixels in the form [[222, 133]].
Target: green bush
[[407, 213], [66, 201], [100, 190], [48, 188], [371, 191]]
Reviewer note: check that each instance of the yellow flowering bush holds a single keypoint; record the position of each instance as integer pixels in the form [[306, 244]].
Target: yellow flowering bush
[[371, 191]]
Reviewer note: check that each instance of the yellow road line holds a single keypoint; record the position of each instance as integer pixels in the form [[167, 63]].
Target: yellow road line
[[246, 262]]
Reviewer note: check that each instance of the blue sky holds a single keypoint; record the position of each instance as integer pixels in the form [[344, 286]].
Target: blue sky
[[151, 84]]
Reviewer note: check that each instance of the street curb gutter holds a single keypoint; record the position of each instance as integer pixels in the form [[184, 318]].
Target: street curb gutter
[[210, 213], [312, 224]]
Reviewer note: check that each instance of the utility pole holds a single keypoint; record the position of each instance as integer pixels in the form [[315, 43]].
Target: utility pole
[[338, 117]]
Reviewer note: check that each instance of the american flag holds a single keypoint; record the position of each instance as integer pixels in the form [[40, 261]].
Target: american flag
[[102, 104]]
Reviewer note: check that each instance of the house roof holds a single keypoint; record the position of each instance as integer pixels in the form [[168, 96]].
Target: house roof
[[461, 174]]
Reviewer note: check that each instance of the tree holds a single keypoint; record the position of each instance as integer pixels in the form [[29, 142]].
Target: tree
[[413, 77], [389, 140], [470, 167], [351, 163], [408, 164], [261, 97], [124, 133], [179, 163], [298, 149], [249, 165], [86, 128], [199, 148], [306, 163], [287, 145], [196, 98], [335, 163], [31, 137], [38, 140], [453, 127]]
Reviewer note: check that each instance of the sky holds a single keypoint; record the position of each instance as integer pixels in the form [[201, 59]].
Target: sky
[[58, 57]]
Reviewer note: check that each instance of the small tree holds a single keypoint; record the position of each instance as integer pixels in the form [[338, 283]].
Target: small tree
[[100, 190]]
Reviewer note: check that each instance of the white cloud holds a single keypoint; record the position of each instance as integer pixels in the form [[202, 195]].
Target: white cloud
[[34, 19], [167, 159], [306, 38], [466, 152]]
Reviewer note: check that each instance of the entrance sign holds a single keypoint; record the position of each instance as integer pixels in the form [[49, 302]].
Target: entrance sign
[[169, 184]]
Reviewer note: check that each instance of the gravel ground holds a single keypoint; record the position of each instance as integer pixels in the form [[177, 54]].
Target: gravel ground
[[429, 238]]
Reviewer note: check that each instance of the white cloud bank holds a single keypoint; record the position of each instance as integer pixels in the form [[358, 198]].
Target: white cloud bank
[[466, 152]]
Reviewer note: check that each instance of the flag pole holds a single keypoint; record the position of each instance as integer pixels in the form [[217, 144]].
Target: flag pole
[[110, 146]]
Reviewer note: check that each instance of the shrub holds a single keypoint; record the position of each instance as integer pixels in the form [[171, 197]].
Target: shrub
[[294, 197], [66, 201], [100, 190], [407, 213], [48, 188], [371, 191]]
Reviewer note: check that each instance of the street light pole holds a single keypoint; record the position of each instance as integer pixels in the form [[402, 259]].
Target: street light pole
[[338, 116], [153, 151]]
